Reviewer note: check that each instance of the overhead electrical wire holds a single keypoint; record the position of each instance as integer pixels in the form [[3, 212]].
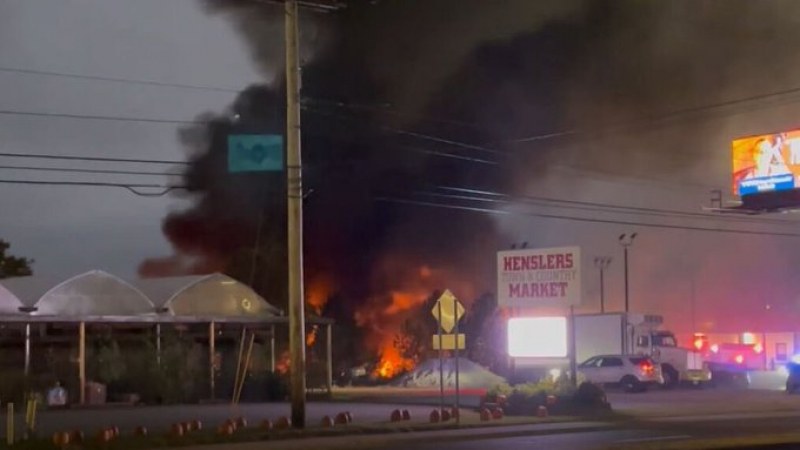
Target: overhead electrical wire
[[134, 188], [494, 197], [422, 136], [89, 171], [77, 76], [386, 109], [660, 117], [98, 117], [581, 219], [89, 158]]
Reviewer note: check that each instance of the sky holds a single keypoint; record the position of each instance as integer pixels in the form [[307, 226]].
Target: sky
[[68, 230], [519, 68]]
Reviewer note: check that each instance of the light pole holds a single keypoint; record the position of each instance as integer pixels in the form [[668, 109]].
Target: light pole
[[626, 240], [602, 263]]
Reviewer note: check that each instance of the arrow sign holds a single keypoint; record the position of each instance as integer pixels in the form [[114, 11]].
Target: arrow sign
[[447, 310]]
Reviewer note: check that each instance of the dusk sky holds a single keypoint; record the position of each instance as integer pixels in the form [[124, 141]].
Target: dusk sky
[[661, 63], [72, 229]]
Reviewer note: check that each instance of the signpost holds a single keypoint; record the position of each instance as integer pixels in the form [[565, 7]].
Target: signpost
[[448, 311]]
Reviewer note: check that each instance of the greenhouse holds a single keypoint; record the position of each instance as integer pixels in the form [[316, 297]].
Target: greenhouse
[[82, 329]]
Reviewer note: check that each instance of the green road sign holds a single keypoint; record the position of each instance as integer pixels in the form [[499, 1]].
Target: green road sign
[[255, 153]]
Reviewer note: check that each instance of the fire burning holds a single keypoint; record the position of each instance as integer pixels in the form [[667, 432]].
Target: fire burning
[[283, 363], [392, 363], [384, 315], [318, 292]]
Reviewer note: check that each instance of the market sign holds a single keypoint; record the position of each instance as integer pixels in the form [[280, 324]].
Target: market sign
[[539, 277]]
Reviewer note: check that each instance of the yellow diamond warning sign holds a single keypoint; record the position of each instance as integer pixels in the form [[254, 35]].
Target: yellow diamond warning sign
[[447, 310]]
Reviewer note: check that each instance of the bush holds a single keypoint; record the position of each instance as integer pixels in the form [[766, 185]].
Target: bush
[[104, 361], [265, 386], [590, 394], [498, 389], [526, 398]]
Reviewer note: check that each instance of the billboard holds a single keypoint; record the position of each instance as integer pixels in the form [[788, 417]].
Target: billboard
[[537, 337], [766, 163], [539, 277]]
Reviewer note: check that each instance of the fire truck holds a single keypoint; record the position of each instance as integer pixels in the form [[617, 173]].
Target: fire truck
[[748, 351]]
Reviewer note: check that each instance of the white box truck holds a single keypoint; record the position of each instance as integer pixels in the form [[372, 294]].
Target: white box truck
[[633, 333]]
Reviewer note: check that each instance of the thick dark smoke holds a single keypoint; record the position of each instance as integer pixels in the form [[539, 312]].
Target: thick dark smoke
[[482, 73]]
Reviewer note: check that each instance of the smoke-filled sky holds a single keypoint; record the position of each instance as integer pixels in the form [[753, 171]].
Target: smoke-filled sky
[[472, 71]]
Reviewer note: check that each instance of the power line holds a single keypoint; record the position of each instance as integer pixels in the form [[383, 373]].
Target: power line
[[134, 188], [448, 155], [93, 171], [388, 110], [117, 80], [11, 112], [422, 136], [658, 118], [582, 219], [596, 206], [89, 158]]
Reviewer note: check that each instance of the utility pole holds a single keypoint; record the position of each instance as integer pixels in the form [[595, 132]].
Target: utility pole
[[626, 240], [294, 190], [602, 263]]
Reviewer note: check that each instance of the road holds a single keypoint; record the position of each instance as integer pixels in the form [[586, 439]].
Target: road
[[660, 403], [659, 415], [576, 436]]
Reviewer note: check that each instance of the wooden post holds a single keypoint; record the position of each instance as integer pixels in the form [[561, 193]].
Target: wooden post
[[272, 349], [27, 349], [82, 361], [211, 357], [158, 344], [329, 357]]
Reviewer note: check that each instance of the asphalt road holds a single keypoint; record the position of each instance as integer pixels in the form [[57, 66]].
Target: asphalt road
[[578, 436], [654, 416]]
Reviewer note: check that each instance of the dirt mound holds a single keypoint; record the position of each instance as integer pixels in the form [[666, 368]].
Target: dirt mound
[[470, 375]]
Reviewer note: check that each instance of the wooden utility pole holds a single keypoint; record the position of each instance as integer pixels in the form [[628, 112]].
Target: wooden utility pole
[[294, 185]]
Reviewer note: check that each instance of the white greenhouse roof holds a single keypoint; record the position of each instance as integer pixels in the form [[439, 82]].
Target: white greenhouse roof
[[98, 296], [214, 295], [94, 293], [9, 302]]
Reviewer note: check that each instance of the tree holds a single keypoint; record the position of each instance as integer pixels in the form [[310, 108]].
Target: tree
[[13, 266]]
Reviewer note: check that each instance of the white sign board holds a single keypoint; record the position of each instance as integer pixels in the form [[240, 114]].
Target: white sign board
[[537, 337], [529, 278]]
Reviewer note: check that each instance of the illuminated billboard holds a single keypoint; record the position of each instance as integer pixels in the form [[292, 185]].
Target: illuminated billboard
[[546, 277], [766, 163], [537, 337]]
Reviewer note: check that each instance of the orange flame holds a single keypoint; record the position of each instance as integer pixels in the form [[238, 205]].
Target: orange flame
[[311, 337], [319, 290], [392, 363], [409, 287], [283, 363]]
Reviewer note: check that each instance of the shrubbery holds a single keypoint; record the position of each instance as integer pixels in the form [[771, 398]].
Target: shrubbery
[[524, 399]]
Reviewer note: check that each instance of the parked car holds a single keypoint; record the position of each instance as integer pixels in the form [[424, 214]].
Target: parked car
[[635, 373], [793, 380]]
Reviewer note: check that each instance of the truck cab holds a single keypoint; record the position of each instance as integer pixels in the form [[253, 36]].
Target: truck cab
[[677, 364]]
